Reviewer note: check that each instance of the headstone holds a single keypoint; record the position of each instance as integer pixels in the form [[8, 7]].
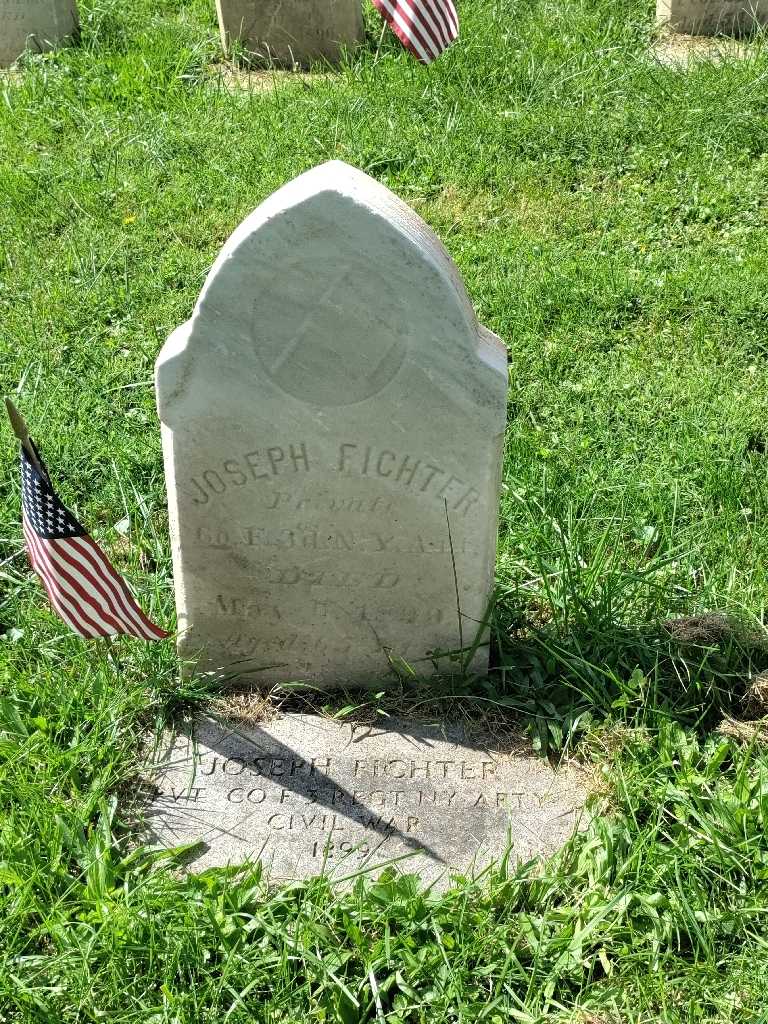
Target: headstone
[[710, 17], [308, 795], [292, 32], [332, 420], [35, 25]]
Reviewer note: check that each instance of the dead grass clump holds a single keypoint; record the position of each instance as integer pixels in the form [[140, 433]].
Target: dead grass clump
[[246, 706], [745, 732], [756, 697], [702, 630]]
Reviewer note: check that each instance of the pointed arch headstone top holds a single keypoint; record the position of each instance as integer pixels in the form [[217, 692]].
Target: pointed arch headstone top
[[332, 416], [322, 235]]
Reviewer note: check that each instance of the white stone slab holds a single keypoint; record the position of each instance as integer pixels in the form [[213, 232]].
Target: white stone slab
[[292, 32], [709, 17], [34, 24], [329, 411], [310, 795]]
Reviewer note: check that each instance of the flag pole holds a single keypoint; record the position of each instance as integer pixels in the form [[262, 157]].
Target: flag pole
[[19, 425]]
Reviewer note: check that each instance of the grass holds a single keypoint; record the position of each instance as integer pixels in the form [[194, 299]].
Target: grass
[[609, 218]]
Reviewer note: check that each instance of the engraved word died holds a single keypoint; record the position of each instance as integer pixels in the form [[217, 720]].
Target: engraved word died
[[332, 420]]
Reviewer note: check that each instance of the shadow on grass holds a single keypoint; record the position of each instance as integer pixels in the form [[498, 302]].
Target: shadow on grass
[[565, 676], [560, 677], [615, 620]]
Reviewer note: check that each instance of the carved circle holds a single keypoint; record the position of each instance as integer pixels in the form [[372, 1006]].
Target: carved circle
[[306, 356]]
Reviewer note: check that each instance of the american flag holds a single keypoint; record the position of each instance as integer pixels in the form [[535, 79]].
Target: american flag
[[83, 587], [425, 27]]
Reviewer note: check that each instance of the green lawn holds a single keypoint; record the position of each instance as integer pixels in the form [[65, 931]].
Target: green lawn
[[610, 218]]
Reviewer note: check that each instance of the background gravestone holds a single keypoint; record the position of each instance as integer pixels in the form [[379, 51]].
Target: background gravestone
[[332, 420], [37, 24], [292, 31], [708, 17]]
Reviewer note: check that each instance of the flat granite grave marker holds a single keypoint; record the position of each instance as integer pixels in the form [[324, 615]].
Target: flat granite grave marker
[[710, 17], [34, 24], [306, 794], [292, 32], [332, 421]]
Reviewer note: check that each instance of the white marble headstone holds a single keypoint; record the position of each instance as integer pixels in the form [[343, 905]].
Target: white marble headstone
[[332, 421], [34, 24], [292, 31], [712, 17]]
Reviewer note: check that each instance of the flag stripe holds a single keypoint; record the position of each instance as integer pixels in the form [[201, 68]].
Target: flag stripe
[[447, 13], [90, 585], [60, 598], [63, 610], [154, 631], [409, 37], [425, 27], [122, 588], [87, 610], [86, 606], [89, 604], [91, 553], [420, 21], [414, 15], [432, 15]]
